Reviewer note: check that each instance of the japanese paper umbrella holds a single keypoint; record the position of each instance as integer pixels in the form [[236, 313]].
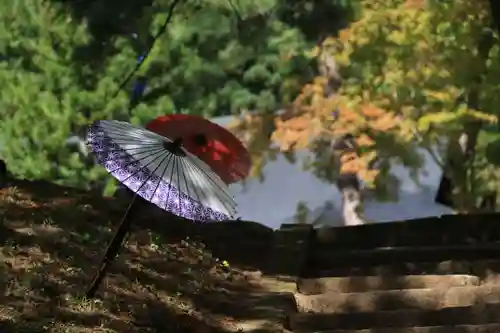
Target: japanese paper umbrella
[[211, 143], [160, 170]]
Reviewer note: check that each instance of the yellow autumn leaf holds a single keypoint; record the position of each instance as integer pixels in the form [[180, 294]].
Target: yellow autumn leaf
[[492, 119], [384, 123], [412, 74], [330, 41], [256, 169], [397, 37], [427, 72], [348, 157], [368, 176], [344, 35], [370, 156], [364, 141], [477, 115], [442, 117], [439, 96], [312, 53], [342, 58], [371, 111], [351, 166]]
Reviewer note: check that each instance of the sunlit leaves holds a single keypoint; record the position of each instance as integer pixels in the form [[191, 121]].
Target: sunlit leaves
[[404, 67], [440, 118]]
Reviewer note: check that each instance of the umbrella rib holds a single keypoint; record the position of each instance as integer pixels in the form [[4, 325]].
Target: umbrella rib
[[168, 192], [172, 157], [180, 162], [151, 148], [176, 166], [120, 128], [141, 143], [138, 160], [195, 188], [207, 192], [169, 156], [136, 138], [192, 166], [115, 125], [201, 179], [201, 199], [151, 173], [149, 169], [124, 125], [210, 176], [142, 167], [128, 131]]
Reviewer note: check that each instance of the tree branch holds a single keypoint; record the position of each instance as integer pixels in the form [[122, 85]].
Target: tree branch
[[144, 56]]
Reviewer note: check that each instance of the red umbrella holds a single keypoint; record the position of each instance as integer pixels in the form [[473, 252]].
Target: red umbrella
[[211, 143]]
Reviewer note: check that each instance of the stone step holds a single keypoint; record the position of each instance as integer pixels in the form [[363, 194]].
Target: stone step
[[395, 255], [387, 300], [356, 284], [481, 268], [444, 230], [476, 315], [488, 328]]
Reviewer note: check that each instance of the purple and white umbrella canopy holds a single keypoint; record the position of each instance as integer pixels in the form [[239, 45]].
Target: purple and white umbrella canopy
[[160, 171]]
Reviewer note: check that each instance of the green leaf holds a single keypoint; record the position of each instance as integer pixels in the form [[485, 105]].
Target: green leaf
[[493, 152]]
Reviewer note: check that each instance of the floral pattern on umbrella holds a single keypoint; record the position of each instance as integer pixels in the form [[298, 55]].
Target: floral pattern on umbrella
[[143, 181]]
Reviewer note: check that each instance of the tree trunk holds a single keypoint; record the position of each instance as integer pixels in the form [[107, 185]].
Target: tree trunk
[[456, 188], [352, 207], [348, 184]]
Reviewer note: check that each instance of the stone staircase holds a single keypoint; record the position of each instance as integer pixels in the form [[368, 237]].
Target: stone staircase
[[379, 287], [410, 303]]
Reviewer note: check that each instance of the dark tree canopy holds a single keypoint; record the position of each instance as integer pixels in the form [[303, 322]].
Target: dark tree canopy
[[63, 61]]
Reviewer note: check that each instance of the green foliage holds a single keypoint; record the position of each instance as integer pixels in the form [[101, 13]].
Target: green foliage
[[486, 165], [492, 150], [63, 62], [407, 58], [40, 101]]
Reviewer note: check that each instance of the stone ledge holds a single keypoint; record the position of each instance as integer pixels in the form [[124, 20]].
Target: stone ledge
[[353, 284]]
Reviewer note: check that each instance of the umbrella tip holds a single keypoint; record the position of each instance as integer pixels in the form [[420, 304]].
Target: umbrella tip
[[174, 147], [200, 140]]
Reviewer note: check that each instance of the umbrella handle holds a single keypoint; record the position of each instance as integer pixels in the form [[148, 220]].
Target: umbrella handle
[[114, 246]]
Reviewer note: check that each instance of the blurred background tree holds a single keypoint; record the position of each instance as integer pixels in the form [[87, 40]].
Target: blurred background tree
[[391, 81], [62, 62], [405, 75]]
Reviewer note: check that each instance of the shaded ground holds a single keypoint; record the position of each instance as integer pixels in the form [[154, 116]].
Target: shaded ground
[[51, 240]]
